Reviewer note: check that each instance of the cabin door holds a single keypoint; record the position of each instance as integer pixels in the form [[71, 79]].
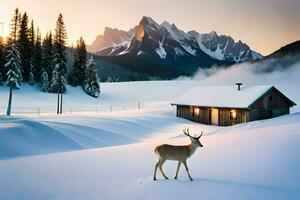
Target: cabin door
[[214, 116]]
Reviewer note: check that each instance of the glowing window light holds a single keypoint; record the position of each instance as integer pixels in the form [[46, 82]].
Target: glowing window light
[[232, 114], [196, 111]]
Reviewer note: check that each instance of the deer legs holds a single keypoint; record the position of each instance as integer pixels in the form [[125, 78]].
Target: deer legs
[[159, 164], [178, 166], [156, 166], [160, 168], [187, 170]]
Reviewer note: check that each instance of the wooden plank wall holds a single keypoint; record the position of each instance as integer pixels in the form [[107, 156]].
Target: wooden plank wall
[[242, 116], [187, 113], [204, 115]]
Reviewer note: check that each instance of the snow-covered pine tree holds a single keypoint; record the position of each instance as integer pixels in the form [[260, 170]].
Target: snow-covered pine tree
[[45, 83], [60, 60], [91, 83], [14, 75], [58, 81], [31, 79]]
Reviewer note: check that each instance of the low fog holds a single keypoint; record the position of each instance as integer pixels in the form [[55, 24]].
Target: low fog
[[267, 72]]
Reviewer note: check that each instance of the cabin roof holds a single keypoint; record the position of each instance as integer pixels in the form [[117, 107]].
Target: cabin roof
[[224, 96]]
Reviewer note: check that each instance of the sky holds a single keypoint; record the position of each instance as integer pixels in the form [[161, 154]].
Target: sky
[[265, 25]]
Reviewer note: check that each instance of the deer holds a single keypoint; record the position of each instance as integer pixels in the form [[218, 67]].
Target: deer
[[177, 153]]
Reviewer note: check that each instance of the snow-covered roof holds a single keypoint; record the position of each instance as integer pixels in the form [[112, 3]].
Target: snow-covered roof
[[222, 96]]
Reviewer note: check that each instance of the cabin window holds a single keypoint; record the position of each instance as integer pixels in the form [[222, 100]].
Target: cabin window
[[232, 114], [196, 112]]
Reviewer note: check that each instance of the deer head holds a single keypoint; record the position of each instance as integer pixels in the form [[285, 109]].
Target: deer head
[[195, 140]]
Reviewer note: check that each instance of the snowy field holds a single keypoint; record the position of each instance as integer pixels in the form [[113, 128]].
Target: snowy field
[[93, 153], [258, 160]]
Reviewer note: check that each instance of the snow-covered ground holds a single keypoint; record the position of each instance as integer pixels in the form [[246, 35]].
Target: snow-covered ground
[[93, 153], [118, 96], [258, 160]]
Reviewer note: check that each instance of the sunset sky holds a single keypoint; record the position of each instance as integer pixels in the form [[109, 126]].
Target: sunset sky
[[265, 25]]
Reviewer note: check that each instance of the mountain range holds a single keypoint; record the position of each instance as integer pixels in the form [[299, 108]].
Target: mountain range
[[165, 44], [163, 51]]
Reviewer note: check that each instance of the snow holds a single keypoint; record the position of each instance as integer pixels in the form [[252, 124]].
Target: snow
[[178, 51], [118, 95], [222, 96], [160, 50], [217, 54], [175, 33], [109, 155], [256, 56], [257, 160], [115, 47], [179, 36], [188, 48], [139, 53]]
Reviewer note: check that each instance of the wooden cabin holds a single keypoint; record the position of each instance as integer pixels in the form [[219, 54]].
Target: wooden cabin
[[229, 105]]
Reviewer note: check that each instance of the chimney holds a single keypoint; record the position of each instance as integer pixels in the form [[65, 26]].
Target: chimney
[[239, 85]]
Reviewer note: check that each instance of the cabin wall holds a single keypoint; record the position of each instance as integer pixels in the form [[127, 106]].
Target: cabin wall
[[189, 113], [242, 116], [204, 115], [270, 105]]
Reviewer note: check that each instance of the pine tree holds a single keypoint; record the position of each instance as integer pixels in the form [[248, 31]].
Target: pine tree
[[31, 79], [80, 58], [82, 55], [31, 39], [37, 56], [47, 54], [91, 83], [14, 75], [60, 61], [14, 26], [74, 79], [24, 47], [45, 83], [58, 81]]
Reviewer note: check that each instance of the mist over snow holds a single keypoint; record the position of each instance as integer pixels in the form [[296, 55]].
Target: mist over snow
[[266, 72], [249, 74]]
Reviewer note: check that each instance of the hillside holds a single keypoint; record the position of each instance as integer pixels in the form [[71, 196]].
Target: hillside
[[291, 49]]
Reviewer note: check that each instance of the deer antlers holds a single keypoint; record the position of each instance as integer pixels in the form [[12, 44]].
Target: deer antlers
[[187, 133]]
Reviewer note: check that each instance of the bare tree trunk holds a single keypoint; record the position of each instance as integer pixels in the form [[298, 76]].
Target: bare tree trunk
[[61, 101], [9, 101], [57, 101]]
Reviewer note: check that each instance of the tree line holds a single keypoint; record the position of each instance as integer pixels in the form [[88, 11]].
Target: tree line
[[26, 57]]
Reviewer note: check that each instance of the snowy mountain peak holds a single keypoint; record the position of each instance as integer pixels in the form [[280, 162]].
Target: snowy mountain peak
[[168, 43], [111, 37], [150, 23], [213, 34]]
